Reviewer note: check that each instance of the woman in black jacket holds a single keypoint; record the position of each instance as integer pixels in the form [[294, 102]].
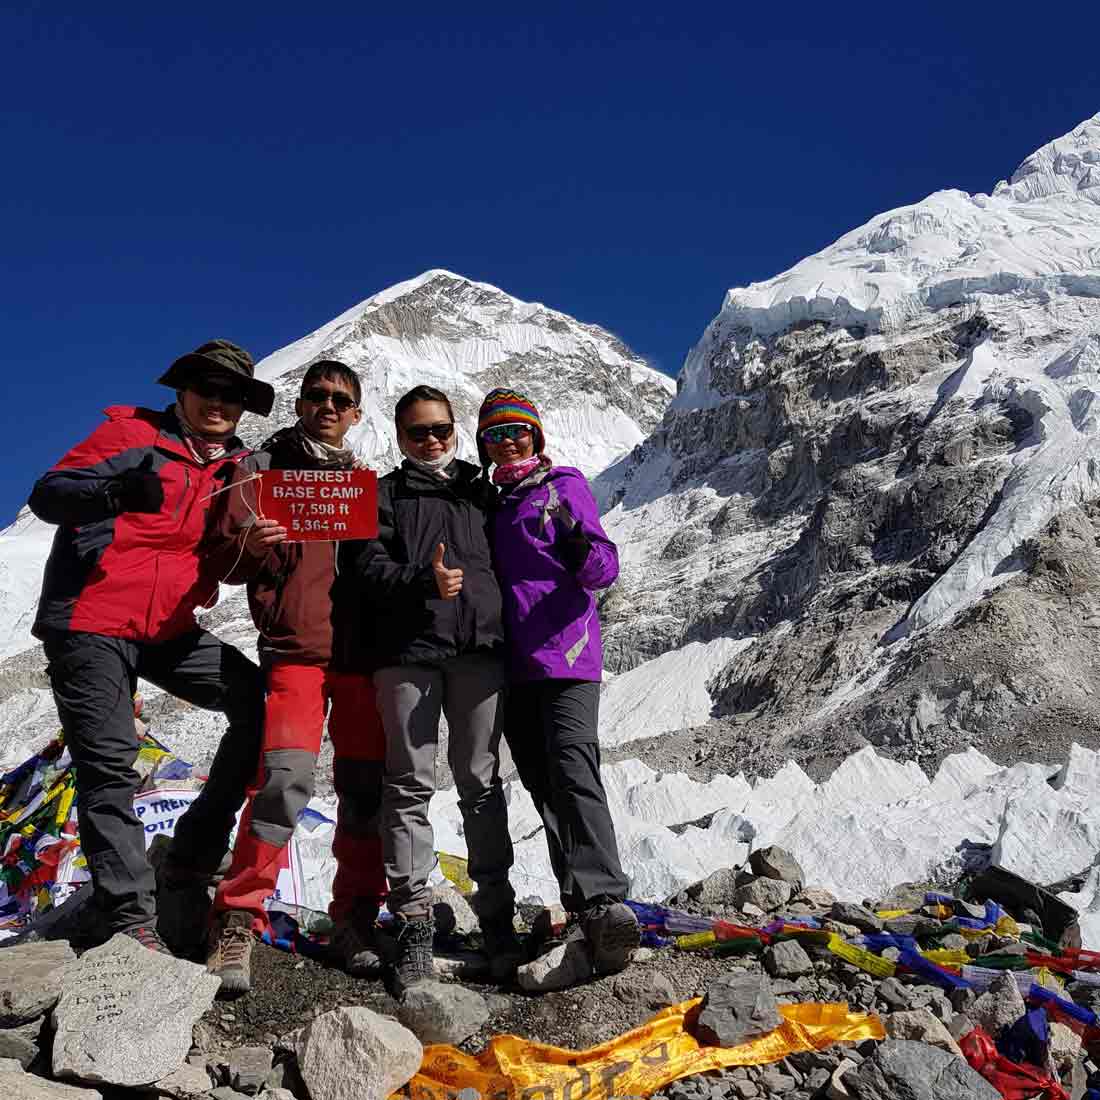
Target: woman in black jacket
[[429, 628]]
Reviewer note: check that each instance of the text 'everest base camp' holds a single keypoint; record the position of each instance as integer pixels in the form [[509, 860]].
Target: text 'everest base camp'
[[848, 716]]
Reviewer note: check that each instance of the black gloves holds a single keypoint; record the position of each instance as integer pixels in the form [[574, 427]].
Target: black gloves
[[138, 490], [574, 549]]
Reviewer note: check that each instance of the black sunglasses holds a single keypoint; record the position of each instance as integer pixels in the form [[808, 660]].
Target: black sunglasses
[[340, 401], [211, 388], [420, 432]]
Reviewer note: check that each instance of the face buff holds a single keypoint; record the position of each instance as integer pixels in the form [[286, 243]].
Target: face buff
[[203, 446], [512, 472], [437, 467], [325, 454]]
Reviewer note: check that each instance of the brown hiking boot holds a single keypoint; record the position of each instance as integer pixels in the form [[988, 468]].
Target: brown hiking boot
[[229, 952], [146, 935]]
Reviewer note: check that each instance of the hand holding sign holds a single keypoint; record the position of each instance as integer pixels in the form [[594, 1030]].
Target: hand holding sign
[[263, 535], [448, 581]]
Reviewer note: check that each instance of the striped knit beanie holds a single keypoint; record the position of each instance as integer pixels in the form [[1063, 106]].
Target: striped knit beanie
[[504, 406]]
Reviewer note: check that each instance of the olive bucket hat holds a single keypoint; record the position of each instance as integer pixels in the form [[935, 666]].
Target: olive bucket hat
[[222, 357]]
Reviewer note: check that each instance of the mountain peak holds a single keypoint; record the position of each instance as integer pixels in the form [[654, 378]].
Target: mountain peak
[[1068, 165]]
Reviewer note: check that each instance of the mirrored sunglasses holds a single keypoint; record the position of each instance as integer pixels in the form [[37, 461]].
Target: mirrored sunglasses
[[420, 432], [502, 432], [341, 402]]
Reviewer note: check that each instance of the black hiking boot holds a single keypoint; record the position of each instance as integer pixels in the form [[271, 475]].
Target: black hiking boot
[[358, 946], [612, 932], [413, 960], [502, 946], [184, 898]]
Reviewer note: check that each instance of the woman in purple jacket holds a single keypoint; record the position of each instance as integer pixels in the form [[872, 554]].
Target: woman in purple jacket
[[551, 555]]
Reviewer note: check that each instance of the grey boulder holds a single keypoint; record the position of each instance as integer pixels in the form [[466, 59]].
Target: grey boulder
[[17, 1084], [353, 1053], [778, 863], [787, 959], [30, 980], [765, 893], [439, 1013], [738, 1007], [904, 1068]]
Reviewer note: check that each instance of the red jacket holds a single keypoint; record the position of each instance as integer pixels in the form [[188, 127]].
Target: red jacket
[[130, 575]]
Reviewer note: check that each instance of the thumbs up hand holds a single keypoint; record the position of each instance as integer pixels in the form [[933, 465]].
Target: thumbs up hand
[[448, 581], [137, 490]]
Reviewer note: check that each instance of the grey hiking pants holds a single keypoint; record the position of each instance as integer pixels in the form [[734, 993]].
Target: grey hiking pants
[[550, 727], [94, 678], [468, 690]]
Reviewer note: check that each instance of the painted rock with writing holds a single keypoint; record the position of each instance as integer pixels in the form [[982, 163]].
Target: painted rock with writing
[[125, 1013]]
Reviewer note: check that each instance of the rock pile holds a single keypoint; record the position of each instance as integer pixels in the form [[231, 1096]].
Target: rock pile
[[975, 1002]]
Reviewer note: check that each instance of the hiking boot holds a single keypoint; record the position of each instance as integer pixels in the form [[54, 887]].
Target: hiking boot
[[358, 946], [413, 960], [184, 898], [147, 936], [612, 932], [502, 946], [229, 952]]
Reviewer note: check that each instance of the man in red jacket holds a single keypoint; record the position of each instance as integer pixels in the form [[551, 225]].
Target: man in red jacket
[[131, 561], [290, 594]]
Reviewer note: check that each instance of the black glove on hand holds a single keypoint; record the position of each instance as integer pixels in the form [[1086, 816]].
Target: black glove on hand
[[138, 490], [574, 549]]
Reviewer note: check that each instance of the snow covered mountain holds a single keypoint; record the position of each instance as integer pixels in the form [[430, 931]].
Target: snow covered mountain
[[867, 515], [597, 398]]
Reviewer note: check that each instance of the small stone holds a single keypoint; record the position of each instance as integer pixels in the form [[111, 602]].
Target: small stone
[[21, 1043], [30, 980], [892, 993], [561, 967], [353, 1052], [248, 1068], [787, 959], [461, 965], [859, 916], [17, 1084], [737, 1007], [754, 912], [921, 1025], [778, 1084], [184, 1082], [765, 893], [224, 1092], [126, 1013], [277, 1094], [837, 1089], [778, 863], [653, 989], [439, 1013]]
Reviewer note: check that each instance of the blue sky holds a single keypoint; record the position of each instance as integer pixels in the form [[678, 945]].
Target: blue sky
[[174, 173]]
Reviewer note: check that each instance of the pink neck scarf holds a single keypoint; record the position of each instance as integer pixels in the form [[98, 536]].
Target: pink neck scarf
[[512, 472]]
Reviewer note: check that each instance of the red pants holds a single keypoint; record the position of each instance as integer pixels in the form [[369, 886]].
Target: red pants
[[297, 697]]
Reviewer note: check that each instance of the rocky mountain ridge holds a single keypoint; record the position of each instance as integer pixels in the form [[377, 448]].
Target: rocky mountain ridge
[[869, 507]]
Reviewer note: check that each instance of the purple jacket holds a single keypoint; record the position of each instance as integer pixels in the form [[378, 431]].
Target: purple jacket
[[550, 619]]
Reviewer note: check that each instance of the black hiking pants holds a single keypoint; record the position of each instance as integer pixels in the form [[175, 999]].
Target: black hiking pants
[[94, 678], [550, 727]]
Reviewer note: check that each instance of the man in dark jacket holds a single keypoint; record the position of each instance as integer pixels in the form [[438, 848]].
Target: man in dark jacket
[[131, 561], [290, 595]]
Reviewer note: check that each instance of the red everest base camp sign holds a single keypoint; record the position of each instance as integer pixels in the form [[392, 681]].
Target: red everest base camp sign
[[321, 504]]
